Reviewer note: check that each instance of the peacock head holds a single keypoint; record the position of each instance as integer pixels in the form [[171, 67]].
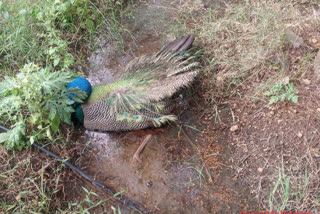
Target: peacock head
[[84, 85]]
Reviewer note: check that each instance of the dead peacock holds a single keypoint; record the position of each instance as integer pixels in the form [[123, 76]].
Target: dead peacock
[[142, 98]]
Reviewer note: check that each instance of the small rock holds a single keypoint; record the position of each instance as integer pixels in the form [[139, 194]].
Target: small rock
[[260, 169], [273, 108], [149, 184], [284, 81], [300, 134], [234, 128], [306, 81], [219, 81], [314, 40], [318, 109]]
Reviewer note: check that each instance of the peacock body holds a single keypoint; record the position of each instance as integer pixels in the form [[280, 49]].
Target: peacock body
[[142, 98]]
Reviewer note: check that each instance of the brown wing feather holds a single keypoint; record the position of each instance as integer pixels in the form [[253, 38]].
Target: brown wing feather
[[181, 44]]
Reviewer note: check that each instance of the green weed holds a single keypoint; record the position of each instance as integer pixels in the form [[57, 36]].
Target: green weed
[[35, 102], [199, 171], [116, 211], [84, 206], [282, 186], [25, 187], [239, 39], [281, 92]]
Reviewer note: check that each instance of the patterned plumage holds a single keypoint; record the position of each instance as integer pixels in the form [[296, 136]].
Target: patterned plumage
[[142, 97]]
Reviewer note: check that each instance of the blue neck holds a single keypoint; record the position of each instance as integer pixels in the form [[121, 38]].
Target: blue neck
[[85, 86]]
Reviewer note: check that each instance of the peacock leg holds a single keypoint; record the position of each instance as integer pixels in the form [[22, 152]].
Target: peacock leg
[[141, 147]]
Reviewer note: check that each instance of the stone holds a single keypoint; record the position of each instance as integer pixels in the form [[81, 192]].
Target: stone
[[306, 81], [234, 128]]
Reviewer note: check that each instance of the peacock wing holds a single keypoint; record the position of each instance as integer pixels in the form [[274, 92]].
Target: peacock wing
[[148, 82], [162, 74]]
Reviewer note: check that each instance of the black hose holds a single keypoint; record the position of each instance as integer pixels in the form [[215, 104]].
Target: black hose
[[4, 128], [124, 200]]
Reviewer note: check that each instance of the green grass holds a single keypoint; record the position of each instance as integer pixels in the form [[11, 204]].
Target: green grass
[[25, 186], [291, 190], [36, 192], [282, 186], [30, 183], [53, 33], [86, 205]]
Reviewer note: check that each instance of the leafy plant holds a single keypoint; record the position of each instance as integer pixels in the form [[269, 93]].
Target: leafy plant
[[35, 102], [281, 92]]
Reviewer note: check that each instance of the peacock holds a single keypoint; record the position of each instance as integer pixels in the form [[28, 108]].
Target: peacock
[[142, 97]]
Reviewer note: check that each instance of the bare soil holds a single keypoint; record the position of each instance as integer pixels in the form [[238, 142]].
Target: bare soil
[[281, 138]]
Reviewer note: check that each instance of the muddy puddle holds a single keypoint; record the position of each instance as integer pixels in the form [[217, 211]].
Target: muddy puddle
[[172, 177]]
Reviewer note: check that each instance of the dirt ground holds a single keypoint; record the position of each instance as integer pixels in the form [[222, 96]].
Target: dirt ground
[[279, 141], [249, 156]]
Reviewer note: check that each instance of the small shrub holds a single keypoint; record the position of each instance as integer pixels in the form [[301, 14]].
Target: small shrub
[[35, 102], [281, 92]]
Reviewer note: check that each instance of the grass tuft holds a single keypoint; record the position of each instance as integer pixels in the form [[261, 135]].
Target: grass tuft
[[54, 33]]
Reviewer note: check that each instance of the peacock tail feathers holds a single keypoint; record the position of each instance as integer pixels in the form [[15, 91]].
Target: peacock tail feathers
[[142, 95], [157, 122]]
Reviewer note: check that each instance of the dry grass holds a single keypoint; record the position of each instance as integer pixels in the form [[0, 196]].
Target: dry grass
[[33, 182], [277, 152], [242, 37], [248, 47], [297, 183], [29, 182]]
